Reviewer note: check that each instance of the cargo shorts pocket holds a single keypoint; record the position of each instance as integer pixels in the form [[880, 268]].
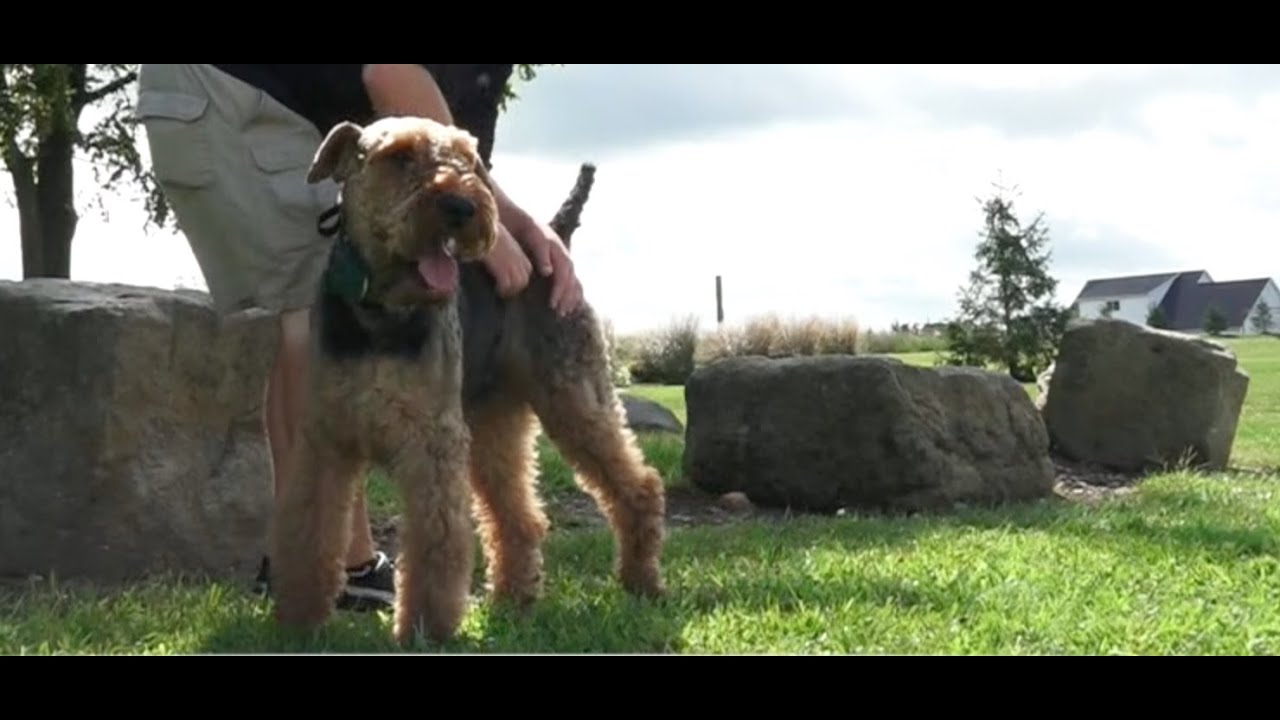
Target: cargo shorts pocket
[[282, 156], [178, 137]]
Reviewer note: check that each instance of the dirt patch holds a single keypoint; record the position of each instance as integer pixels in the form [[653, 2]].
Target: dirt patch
[[686, 507], [1087, 483], [689, 507]]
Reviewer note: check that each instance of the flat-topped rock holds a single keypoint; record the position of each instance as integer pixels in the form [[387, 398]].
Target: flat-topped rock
[[822, 433], [130, 432]]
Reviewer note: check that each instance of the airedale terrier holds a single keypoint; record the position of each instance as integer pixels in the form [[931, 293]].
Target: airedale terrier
[[418, 366]]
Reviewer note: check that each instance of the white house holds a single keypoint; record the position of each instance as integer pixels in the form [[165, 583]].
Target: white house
[[1183, 298], [1270, 297]]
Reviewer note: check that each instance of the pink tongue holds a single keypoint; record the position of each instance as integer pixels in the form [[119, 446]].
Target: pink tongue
[[438, 271]]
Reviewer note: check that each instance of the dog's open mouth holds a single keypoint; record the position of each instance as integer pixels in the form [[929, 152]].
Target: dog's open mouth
[[437, 268]]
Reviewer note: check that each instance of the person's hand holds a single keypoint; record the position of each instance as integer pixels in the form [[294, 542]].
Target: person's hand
[[552, 259], [508, 264]]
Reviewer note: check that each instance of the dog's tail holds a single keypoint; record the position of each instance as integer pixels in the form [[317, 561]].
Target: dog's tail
[[569, 216]]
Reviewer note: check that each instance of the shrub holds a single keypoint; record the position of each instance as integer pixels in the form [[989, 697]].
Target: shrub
[[1215, 322], [771, 336], [1156, 317], [619, 370], [666, 356]]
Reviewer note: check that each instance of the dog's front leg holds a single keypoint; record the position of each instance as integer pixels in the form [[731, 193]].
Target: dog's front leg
[[437, 552], [310, 533]]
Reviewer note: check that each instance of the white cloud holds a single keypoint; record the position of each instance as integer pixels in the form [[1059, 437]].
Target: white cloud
[[873, 216], [1017, 77]]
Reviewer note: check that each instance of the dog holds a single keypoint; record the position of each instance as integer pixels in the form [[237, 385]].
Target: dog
[[419, 367]]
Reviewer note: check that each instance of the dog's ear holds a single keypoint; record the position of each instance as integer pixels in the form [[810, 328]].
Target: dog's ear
[[337, 156]]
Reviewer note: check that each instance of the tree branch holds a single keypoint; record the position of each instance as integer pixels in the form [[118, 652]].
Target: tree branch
[[20, 166], [88, 97], [8, 111], [569, 216]]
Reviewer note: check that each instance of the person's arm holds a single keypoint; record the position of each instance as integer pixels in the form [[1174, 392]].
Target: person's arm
[[405, 90], [410, 90]]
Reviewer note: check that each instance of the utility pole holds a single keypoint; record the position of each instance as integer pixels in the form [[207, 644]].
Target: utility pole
[[719, 302]]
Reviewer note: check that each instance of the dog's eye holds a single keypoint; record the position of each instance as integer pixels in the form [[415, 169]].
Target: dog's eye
[[400, 159]]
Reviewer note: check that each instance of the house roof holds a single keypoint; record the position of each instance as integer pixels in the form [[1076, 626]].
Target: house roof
[[1129, 285], [1187, 301]]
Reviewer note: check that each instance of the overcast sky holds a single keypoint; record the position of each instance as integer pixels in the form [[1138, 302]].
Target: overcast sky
[[851, 190]]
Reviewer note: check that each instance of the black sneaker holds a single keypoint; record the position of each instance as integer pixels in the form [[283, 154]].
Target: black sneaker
[[371, 586], [262, 583]]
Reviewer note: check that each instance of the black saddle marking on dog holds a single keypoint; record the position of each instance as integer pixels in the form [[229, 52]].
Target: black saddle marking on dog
[[344, 337], [481, 312]]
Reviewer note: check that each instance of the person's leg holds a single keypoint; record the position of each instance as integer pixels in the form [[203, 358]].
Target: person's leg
[[274, 411], [283, 412], [232, 162]]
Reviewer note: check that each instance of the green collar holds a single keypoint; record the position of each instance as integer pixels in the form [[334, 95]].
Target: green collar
[[347, 274]]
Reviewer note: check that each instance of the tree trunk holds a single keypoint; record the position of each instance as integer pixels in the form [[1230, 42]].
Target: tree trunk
[[47, 216], [55, 209], [24, 187], [45, 184]]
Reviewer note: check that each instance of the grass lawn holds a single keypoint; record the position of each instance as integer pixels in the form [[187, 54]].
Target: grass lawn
[[1184, 564]]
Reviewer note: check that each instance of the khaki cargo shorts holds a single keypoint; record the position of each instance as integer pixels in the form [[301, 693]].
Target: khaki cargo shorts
[[232, 162]]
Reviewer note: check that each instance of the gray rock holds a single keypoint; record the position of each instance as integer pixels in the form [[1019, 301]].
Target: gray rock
[[130, 432], [1133, 398], [644, 415], [821, 433]]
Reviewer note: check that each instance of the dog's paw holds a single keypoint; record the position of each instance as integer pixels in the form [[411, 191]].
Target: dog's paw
[[644, 582]]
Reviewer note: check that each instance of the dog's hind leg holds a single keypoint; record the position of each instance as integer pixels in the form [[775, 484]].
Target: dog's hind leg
[[310, 533], [511, 519], [437, 550], [571, 392]]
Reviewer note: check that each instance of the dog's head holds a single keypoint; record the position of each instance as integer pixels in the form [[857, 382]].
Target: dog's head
[[416, 199]]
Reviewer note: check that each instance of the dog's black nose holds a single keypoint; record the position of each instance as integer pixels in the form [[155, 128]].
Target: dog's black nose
[[455, 209]]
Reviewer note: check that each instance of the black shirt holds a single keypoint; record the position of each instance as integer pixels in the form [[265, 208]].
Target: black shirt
[[328, 94], [324, 94]]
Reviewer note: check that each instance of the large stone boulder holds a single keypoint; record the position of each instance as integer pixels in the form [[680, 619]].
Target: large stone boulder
[[130, 433], [645, 415], [822, 433], [1134, 398]]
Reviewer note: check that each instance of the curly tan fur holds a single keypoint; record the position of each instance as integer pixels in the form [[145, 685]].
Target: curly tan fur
[[392, 384], [503, 475]]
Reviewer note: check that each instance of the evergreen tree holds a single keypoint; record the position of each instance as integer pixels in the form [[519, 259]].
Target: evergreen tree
[[1156, 317], [1262, 318], [1215, 323], [1007, 315]]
